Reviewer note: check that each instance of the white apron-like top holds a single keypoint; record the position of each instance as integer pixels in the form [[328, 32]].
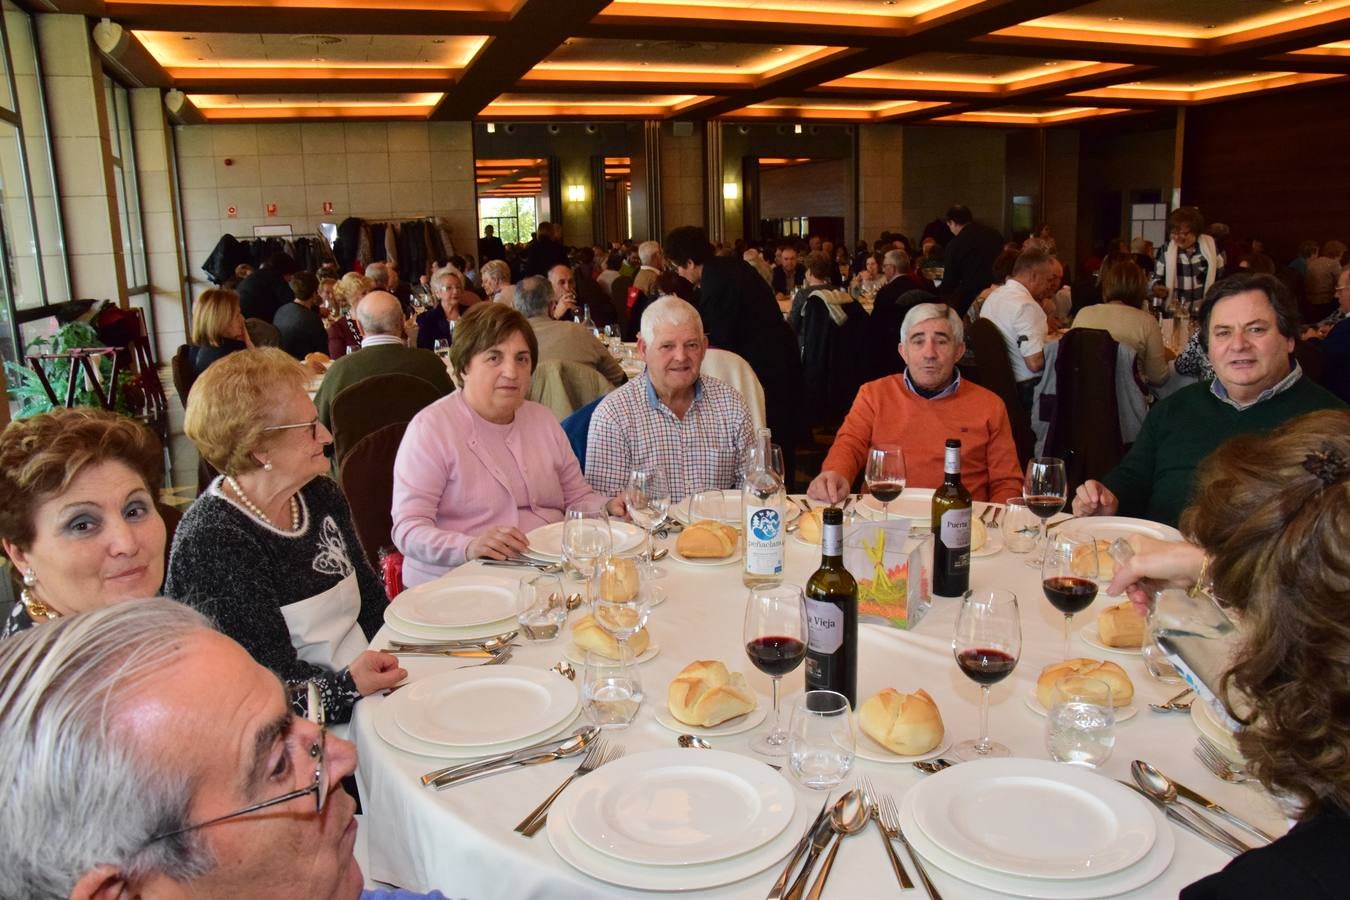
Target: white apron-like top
[[324, 630]]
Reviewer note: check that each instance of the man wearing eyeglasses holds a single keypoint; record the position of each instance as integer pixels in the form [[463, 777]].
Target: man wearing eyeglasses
[[144, 754]]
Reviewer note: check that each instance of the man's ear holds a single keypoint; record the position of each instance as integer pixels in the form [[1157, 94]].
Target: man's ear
[[103, 883]]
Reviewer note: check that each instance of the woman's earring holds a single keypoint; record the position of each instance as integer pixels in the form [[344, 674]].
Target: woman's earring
[[267, 466], [30, 579]]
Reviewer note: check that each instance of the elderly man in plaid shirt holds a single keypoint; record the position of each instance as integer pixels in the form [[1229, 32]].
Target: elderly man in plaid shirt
[[693, 428]]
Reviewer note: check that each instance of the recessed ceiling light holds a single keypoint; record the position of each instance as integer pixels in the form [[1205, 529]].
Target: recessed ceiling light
[[1211, 26], [1116, 19], [644, 63], [568, 42], [777, 49], [1311, 2], [188, 37], [887, 2], [318, 59], [438, 40], [1050, 63], [640, 44]]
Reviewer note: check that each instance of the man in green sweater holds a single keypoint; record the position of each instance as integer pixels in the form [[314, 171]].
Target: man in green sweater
[[1248, 327]]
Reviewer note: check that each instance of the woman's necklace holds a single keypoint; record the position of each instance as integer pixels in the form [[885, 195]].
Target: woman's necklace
[[253, 507]]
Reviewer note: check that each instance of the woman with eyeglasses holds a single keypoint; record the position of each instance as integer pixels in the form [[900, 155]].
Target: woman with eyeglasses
[[268, 550]]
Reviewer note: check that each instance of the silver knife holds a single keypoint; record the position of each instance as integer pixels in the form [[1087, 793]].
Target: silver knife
[[460, 768], [1187, 819], [1205, 802], [780, 886], [819, 839], [441, 784]]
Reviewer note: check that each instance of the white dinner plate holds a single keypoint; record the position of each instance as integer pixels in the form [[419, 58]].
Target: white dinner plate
[[1123, 713], [385, 726], [866, 748], [457, 602], [670, 878], [730, 510], [993, 543], [705, 561], [546, 541], [730, 726], [1208, 724], [1153, 864], [677, 808], [1034, 819], [576, 655], [1108, 528], [1090, 636], [484, 706], [913, 503], [404, 628]]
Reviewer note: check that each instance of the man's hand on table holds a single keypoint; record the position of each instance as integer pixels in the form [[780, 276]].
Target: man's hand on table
[[1094, 499], [497, 542], [828, 486]]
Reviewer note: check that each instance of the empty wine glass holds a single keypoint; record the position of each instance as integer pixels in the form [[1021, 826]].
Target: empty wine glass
[[885, 475], [1069, 578], [1046, 489], [647, 498], [987, 645], [611, 689], [775, 632], [714, 505], [618, 606], [585, 538], [441, 347]]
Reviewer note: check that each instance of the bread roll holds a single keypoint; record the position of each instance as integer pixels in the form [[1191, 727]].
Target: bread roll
[[588, 635], [1106, 566], [619, 580], [979, 535], [706, 694], [706, 540], [319, 358], [811, 525], [1121, 626], [1122, 689], [905, 724]]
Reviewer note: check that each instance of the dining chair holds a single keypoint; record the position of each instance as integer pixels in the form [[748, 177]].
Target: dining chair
[[372, 403], [366, 476]]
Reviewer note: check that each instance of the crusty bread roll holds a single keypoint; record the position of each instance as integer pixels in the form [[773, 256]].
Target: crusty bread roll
[[619, 580], [979, 535], [706, 694], [706, 539], [1121, 626], [811, 525], [906, 724], [1122, 689], [320, 358], [1106, 566], [588, 635]]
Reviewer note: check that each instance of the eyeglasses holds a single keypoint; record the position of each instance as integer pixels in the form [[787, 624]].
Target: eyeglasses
[[313, 707], [313, 427]]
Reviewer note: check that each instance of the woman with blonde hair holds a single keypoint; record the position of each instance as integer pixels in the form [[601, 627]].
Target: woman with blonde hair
[[1121, 312], [344, 335], [268, 551], [217, 328]]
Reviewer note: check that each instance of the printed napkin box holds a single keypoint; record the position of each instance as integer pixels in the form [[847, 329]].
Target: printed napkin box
[[890, 567]]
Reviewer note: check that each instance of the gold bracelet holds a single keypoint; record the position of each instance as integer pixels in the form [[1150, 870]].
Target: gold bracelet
[[1203, 584]]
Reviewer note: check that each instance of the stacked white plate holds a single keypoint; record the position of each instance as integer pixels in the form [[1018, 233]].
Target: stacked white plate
[[915, 504], [1034, 828], [454, 608], [677, 820], [546, 540], [464, 713], [1108, 528]]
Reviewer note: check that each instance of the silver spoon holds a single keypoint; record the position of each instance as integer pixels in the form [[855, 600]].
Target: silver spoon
[[842, 828], [1142, 772], [930, 766], [660, 554], [689, 741], [1173, 705], [565, 669], [1160, 788]]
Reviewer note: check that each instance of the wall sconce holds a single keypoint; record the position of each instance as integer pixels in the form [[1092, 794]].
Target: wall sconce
[[796, 129], [576, 193], [491, 128], [731, 190]]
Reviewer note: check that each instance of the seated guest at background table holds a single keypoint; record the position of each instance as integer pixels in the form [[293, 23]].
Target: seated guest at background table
[[78, 518], [693, 427], [564, 284], [819, 267], [381, 318], [184, 731], [495, 276], [344, 335], [265, 291], [918, 410], [327, 302], [868, 280], [1121, 312], [1016, 311], [1335, 350], [563, 341], [218, 328], [1003, 266], [480, 468], [787, 275], [1337, 315], [653, 264], [302, 330], [438, 323], [610, 273], [268, 551], [1248, 324], [1269, 520]]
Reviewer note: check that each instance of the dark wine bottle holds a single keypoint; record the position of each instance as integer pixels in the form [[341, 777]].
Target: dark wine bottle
[[951, 528], [832, 616]]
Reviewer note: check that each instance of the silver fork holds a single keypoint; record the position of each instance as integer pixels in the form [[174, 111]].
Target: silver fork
[[495, 661], [890, 820], [1218, 764], [599, 754], [870, 798]]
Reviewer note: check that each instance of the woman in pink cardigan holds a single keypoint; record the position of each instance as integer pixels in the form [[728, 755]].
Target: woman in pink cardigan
[[483, 466]]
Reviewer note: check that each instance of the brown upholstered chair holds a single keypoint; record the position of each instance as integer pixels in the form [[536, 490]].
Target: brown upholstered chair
[[183, 372], [367, 479], [372, 403], [995, 374]]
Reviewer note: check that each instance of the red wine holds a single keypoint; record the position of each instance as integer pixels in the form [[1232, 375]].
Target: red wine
[[984, 666], [1045, 505], [775, 656], [886, 491], [1069, 593]]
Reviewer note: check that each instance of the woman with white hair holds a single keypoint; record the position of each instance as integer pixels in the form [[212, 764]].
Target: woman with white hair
[[495, 276]]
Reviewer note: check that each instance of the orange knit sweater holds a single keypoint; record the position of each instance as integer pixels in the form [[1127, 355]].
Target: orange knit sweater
[[886, 411]]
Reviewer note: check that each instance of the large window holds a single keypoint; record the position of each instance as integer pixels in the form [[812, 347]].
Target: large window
[[126, 186], [512, 218]]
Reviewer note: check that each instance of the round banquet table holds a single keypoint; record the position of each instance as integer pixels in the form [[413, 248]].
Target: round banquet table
[[460, 840]]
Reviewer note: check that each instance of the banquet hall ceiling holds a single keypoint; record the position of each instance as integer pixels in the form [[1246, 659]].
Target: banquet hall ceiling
[[1030, 62]]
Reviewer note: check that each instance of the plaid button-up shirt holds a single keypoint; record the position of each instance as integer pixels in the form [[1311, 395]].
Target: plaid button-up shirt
[[632, 428], [1192, 269]]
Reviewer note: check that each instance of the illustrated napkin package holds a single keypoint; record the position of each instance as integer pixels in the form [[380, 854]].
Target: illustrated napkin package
[[889, 567]]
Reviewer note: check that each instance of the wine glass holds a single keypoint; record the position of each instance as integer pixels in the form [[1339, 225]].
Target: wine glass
[[885, 475], [441, 347], [775, 640], [1069, 577], [1046, 489], [647, 498], [619, 607], [987, 645], [709, 506], [585, 538]]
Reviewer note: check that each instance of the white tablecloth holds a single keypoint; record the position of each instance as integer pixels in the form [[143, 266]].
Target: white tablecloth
[[460, 840]]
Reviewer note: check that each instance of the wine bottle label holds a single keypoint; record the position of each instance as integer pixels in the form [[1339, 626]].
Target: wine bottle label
[[824, 626], [763, 540], [955, 531], [832, 540]]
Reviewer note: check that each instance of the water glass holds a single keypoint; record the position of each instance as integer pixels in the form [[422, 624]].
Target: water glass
[[1080, 727], [821, 739], [585, 538], [611, 689], [712, 505], [1155, 661], [541, 607], [1020, 526]]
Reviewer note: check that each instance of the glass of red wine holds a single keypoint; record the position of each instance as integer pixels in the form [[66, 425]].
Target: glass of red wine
[[775, 640], [1046, 489], [885, 475], [1069, 577], [987, 644]]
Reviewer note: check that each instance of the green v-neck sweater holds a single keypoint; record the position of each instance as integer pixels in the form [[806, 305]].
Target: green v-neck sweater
[[1155, 479]]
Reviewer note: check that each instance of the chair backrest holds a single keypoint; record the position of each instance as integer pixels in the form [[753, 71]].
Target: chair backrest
[[577, 427], [995, 374], [366, 477], [565, 387], [618, 294], [263, 333], [183, 372], [834, 360], [1085, 425], [371, 403], [735, 371]]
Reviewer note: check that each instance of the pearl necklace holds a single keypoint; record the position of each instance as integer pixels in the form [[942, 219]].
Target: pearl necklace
[[253, 508]]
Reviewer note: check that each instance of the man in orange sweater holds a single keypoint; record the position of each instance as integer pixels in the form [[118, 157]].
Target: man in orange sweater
[[918, 410]]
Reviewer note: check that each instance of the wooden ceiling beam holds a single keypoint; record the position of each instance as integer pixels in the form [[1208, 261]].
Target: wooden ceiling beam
[[734, 31], [264, 19], [1306, 62], [208, 84]]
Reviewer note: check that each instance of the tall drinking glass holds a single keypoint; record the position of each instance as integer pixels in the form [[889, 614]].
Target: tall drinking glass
[[821, 741], [987, 645], [1046, 489], [647, 498], [619, 607], [885, 475], [586, 537], [775, 634]]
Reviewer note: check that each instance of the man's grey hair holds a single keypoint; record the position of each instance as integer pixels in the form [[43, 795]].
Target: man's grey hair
[[78, 790], [1029, 260], [897, 258], [378, 272], [668, 311], [379, 312], [648, 251], [922, 312], [443, 275], [495, 268], [534, 296]]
